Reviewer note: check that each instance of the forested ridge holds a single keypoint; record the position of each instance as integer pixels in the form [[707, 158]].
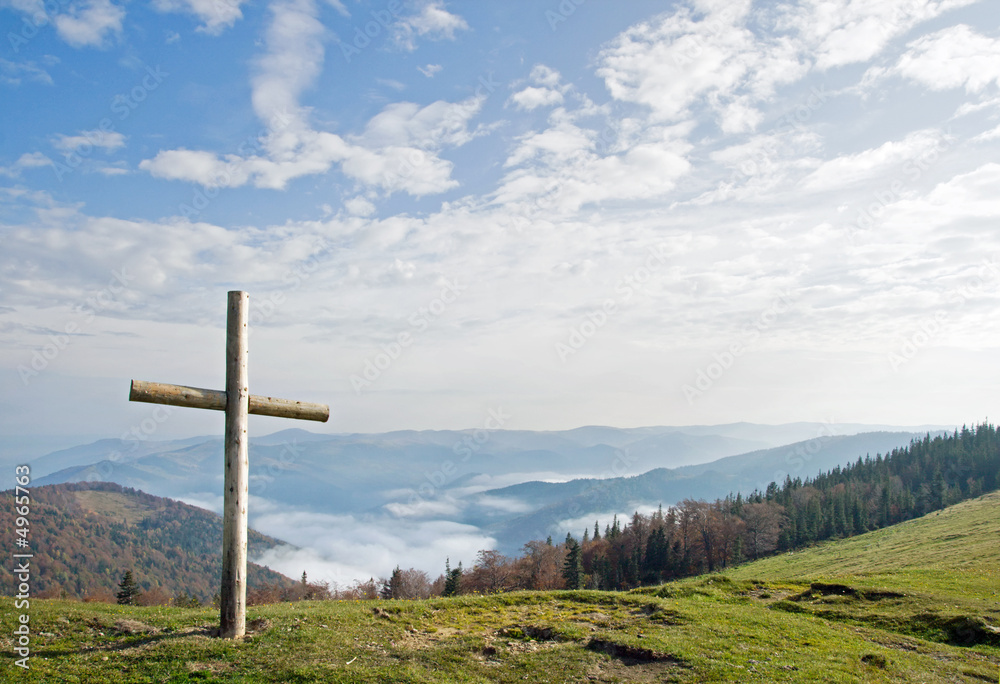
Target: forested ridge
[[85, 536], [700, 536]]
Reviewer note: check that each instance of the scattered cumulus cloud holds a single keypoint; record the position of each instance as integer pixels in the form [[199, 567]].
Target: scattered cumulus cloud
[[106, 140], [991, 134], [955, 57], [215, 15], [676, 62], [391, 83], [432, 21], [841, 32], [854, 168], [90, 24], [28, 160], [15, 73], [699, 134], [359, 206], [682, 61], [545, 76], [398, 151], [430, 70], [532, 98], [109, 170]]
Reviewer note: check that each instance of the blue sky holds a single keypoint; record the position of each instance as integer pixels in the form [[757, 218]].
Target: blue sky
[[580, 212]]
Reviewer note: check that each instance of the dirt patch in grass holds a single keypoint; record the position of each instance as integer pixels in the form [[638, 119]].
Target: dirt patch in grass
[[631, 655], [416, 639], [615, 670], [875, 660], [959, 630], [258, 625], [128, 626], [820, 589], [536, 632]]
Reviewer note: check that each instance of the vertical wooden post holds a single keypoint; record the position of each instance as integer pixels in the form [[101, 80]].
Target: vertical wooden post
[[233, 593]]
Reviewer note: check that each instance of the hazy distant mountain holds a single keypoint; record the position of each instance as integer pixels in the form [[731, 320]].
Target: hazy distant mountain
[[416, 490], [552, 504]]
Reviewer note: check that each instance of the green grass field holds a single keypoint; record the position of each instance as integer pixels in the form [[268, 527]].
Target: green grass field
[[915, 603]]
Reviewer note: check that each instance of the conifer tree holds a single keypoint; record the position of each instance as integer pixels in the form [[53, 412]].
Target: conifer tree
[[452, 578], [573, 566], [127, 590], [396, 583]]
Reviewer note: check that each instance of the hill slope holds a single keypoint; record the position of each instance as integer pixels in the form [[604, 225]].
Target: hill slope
[[717, 628], [939, 574], [84, 536]]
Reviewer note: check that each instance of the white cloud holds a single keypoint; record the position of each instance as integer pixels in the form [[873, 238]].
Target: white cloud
[[991, 134], [532, 98], [970, 194], [430, 70], [89, 24], [505, 504], [33, 159], [545, 76], [423, 509], [564, 167], [28, 160], [954, 57], [554, 146], [69, 251], [359, 206], [406, 124], [216, 15], [200, 167], [591, 187], [111, 170], [398, 150], [391, 83], [34, 8], [344, 548], [547, 90], [839, 32], [397, 169], [210, 501], [854, 168], [14, 73], [680, 61], [432, 21], [291, 63], [673, 62], [85, 140]]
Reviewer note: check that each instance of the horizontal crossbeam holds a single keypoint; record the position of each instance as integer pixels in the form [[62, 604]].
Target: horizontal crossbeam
[[215, 400]]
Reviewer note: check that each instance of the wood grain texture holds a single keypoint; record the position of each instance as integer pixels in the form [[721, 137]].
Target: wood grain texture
[[233, 592], [215, 400]]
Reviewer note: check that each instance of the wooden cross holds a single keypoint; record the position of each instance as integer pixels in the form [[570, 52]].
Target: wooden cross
[[237, 402]]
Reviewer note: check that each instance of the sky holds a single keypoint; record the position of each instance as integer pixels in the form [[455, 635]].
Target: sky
[[570, 212]]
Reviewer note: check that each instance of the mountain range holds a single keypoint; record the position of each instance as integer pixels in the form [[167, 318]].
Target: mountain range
[[423, 496], [83, 537]]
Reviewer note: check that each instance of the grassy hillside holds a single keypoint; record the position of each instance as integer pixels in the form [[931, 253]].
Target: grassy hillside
[[913, 603], [954, 552]]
